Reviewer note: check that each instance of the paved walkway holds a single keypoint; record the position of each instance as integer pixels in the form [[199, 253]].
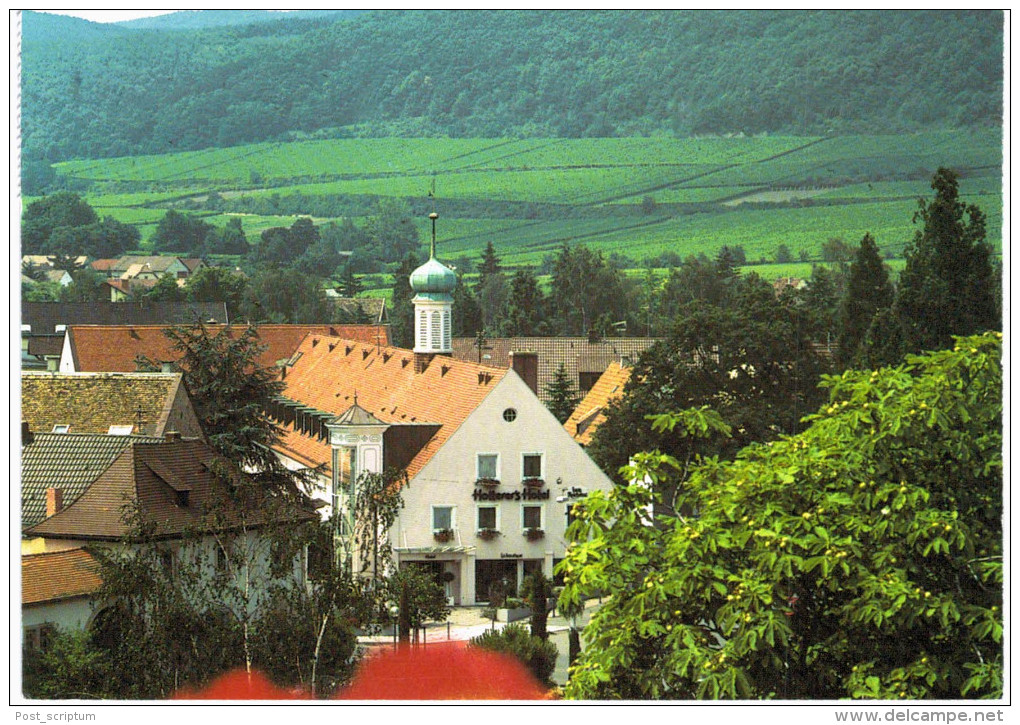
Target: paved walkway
[[467, 622]]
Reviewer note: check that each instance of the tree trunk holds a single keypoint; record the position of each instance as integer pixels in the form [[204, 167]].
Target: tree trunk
[[405, 615]]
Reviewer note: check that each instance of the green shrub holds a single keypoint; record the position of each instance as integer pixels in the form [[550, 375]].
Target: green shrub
[[538, 655]]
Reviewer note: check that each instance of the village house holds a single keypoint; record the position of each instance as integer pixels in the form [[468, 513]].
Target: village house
[[56, 593], [168, 486], [583, 360], [117, 348], [590, 413], [491, 474], [112, 403], [151, 267], [56, 468], [43, 324]]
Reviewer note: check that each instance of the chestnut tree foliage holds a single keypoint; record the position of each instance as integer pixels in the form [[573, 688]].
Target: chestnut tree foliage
[[860, 558]]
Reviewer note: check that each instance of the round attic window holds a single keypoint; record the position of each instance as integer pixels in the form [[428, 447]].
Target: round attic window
[[510, 415]]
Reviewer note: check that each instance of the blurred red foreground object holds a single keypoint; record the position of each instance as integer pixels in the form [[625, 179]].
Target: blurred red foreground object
[[240, 685], [442, 671]]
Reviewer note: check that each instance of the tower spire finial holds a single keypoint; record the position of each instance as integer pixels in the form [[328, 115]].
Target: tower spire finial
[[432, 253]]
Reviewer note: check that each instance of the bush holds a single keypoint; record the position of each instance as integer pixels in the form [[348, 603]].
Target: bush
[[538, 655]]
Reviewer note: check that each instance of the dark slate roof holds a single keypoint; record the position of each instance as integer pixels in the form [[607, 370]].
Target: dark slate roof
[[374, 308], [150, 479], [67, 461], [356, 415], [45, 316], [92, 402], [577, 354]]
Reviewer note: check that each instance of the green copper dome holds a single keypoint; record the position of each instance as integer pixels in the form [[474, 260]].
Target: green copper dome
[[433, 277]]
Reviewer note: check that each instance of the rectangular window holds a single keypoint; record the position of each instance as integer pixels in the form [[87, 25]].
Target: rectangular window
[[488, 518], [533, 465], [488, 465], [39, 637], [532, 517], [442, 518], [436, 331]]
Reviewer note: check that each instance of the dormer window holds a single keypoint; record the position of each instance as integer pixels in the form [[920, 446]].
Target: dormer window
[[61, 428]]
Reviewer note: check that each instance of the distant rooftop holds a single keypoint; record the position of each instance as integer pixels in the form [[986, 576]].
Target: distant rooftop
[[43, 317]]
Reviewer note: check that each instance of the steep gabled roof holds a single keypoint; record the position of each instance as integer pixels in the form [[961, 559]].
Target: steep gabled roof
[[68, 461], [148, 480], [153, 263], [92, 402], [58, 575], [372, 307], [111, 348], [576, 354], [590, 412], [43, 317], [329, 371]]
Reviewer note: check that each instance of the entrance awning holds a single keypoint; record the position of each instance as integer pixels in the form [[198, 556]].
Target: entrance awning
[[433, 549]]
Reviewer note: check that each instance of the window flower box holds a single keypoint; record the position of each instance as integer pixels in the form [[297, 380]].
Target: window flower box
[[487, 482], [534, 534], [443, 535], [487, 534], [533, 482]]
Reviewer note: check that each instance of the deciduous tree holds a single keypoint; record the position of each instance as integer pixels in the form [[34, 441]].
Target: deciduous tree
[[860, 558]]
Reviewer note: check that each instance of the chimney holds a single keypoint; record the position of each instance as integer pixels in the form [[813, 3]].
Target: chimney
[[172, 436], [27, 436], [422, 360], [54, 501], [525, 364]]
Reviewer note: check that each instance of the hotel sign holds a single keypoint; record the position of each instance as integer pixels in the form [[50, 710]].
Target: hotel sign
[[528, 494]]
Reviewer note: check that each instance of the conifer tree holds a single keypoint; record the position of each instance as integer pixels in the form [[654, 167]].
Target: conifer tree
[[490, 264], [946, 287], [402, 319], [563, 396], [868, 291]]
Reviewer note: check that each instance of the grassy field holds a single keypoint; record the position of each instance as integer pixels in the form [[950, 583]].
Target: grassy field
[[639, 197]]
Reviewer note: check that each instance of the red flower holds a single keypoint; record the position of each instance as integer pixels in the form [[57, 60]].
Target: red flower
[[240, 685], [442, 671]]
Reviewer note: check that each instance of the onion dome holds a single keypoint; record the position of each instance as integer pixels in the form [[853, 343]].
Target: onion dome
[[433, 277]]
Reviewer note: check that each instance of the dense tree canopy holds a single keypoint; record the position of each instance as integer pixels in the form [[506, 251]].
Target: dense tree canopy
[[861, 557], [532, 73], [750, 362]]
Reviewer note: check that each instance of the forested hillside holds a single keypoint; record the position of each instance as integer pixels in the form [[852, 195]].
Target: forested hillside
[[513, 73]]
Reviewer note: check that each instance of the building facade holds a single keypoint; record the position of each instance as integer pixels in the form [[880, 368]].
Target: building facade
[[491, 474]]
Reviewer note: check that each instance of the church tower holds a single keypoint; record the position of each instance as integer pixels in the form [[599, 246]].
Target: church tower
[[433, 284]]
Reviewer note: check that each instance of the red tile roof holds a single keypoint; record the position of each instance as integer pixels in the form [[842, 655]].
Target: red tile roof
[[590, 412], [149, 478], [113, 348], [58, 575], [329, 371]]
